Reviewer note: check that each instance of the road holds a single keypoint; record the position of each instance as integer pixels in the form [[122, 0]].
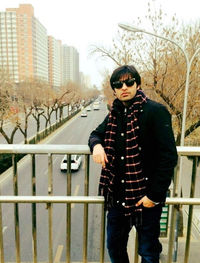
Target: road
[[76, 131]]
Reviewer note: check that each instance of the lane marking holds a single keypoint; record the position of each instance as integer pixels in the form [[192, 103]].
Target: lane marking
[[4, 228], [58, 254], [75, 194]]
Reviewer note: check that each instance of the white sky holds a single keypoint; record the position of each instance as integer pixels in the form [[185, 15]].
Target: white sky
[[81, 23]]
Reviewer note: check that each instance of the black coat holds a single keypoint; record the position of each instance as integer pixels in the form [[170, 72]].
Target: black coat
[[156, 143]]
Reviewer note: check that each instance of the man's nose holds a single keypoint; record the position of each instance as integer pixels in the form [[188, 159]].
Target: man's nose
[[124, 86]]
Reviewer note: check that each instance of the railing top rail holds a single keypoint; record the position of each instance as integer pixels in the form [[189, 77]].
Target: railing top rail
[[188, 150], [84, 199], [51, 199], [182, 201], [44, 148], [74, 149]]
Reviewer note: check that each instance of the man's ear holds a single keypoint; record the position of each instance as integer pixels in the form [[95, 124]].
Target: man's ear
[[139, 87]]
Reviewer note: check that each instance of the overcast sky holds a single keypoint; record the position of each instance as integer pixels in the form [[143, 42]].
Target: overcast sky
[[81, 23]]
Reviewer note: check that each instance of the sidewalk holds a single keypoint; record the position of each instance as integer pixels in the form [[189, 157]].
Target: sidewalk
[[194, 255]]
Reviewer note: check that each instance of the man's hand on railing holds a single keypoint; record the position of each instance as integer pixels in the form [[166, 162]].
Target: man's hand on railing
[[99, 155]]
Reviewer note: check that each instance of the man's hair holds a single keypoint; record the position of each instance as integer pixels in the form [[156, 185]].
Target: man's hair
[[126, 69]]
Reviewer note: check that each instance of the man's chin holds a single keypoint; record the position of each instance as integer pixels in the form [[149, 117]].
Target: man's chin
[[125, 98]]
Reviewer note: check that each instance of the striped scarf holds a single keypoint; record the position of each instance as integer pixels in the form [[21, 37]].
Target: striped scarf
[[135, 183]]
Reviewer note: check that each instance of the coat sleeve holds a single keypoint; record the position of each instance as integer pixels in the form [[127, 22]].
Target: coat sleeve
[[166, 154], [97, 135]]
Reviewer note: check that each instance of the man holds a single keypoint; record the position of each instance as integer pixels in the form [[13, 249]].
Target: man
[[136, 148]]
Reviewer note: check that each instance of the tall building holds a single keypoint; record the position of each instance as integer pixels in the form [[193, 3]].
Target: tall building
[[26, 51], [65, 65], [23, 44], [70, 64], [55, 65]]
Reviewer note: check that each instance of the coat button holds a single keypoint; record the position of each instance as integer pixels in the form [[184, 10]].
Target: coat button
[[122, 157], [123, 204], [122, 134], [122, 181]]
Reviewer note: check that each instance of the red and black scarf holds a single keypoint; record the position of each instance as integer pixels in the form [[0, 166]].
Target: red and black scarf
[[135, 183]]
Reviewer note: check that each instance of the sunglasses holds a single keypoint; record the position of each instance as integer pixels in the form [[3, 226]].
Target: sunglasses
[[119, 84]]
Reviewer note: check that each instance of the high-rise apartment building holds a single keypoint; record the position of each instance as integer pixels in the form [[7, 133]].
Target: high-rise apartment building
[[26, 51], [70, 64], [8, 43], [55, 65], [23, 44]]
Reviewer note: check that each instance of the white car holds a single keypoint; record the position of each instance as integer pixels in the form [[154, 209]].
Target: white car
[[84, 114], [96, 105], [88, 108], [75, 163]]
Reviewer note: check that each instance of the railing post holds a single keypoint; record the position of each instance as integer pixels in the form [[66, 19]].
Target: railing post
[[1, 236], [171, 234], [49, 206], [136, 248], [16, 208], [178, 212], [190, 213], [68, 245], [102, 242], [85, 223], [34, 213]]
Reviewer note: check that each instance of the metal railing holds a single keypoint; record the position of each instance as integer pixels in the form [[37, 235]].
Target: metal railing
[[49, 150], [49, 200], [193, 153]]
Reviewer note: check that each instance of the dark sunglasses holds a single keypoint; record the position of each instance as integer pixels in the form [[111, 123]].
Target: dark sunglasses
[[119, 84]]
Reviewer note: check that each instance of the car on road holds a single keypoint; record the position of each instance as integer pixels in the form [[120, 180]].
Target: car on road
[[76, 161], [84, 114], [96, 105], [88, 108]]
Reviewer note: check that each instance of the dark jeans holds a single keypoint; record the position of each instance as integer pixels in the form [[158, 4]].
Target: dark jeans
[[118, 228]]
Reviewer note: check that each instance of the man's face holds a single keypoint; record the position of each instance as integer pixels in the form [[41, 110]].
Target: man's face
[[126, 92]]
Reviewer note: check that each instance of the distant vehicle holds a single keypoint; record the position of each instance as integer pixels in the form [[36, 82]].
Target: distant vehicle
[[96, 105], [75, 163], [84, 114], [88, 108]]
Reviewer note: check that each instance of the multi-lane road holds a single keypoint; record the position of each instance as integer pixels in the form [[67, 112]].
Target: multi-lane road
[[76, 131]]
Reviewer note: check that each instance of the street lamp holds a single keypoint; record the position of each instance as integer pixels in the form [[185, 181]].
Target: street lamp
[[188, 66]]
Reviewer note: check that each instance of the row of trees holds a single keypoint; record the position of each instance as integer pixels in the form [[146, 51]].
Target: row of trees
[[161, 64], [32, 97]]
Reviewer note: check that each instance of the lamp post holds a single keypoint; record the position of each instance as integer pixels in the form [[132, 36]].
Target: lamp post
[[188, 67]]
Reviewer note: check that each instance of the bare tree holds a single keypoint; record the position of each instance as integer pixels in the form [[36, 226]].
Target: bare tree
[[31, 94], [8, 107], [162, 64]]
